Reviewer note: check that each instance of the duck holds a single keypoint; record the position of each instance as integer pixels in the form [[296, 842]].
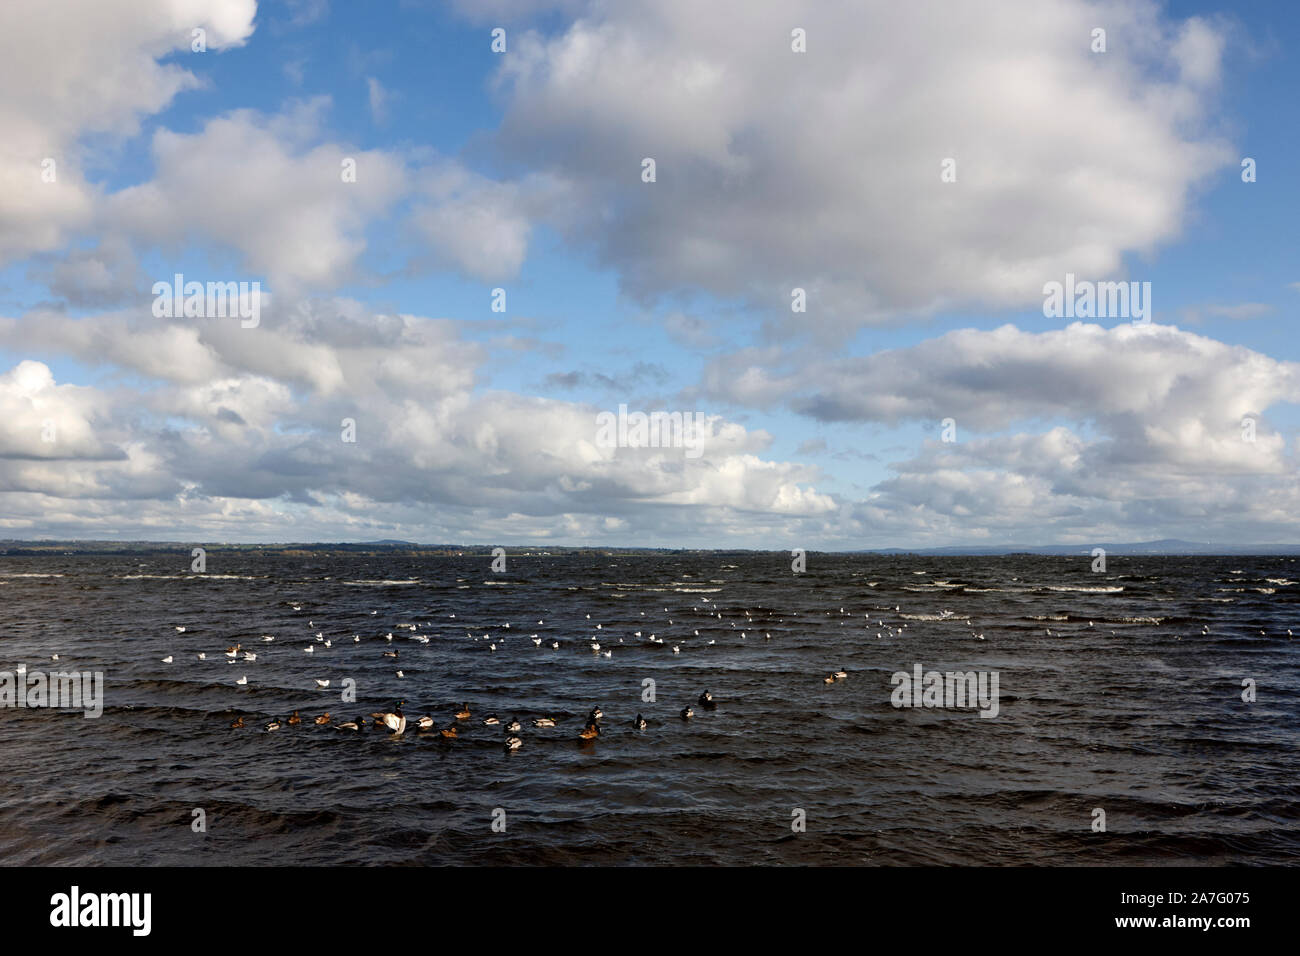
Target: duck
[[491, 720], [323, 719], [390, 653], [243, 680], [544, 722], [687, 713], [840, 674], [590, 732], [706, 700], [448, 733], [640, 723], [233, 651], [350, 724], [180, 630], [595, 715], [394, 720], [463, 713], [294, 719], [249, 656], [555, 645], [425, 722], [322, 683], [513, 743], [202, 656], [165, 660], [238, 724], [309, 649], [828, 680], [513, 726], [274, 725]]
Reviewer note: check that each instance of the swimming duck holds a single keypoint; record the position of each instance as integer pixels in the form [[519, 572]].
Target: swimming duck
[[463, 713], [309, 649], [425, 722], [238, 724], [513, 743], [828, 679], [243, 680], [840, 674], [249, 656], [202, 656], [180, 630], [350, 724], [448, 733], [274, 725], [233, 651], [687, 713], [322, 683], [513, 726], [294, 719], [640, 723], [165, 660], [589, 732], [323, 719], [394, 720], [491, 720], [706, 700], [595, 715], [544, 722]]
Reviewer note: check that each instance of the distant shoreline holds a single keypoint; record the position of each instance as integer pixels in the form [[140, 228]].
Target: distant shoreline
[[1171, 548]]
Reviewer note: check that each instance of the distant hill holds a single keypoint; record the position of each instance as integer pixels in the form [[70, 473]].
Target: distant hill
[[1171, 546], [1164, 546]]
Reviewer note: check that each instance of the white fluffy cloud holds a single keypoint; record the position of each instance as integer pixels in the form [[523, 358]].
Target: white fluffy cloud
[[821, 170], [86, 66], [267, 187], [1167, 433], [235, 416]]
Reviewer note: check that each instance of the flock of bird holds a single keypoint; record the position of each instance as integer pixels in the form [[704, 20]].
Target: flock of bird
[[602, 642], [397, 723]]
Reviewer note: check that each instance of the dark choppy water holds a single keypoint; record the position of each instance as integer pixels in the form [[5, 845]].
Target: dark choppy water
[[1139, 714]]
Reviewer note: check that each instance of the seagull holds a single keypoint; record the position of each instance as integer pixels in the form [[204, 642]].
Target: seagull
[[242, 680], [202, 656], [180, 630], [322, 683], [309, 649], [165, 660]]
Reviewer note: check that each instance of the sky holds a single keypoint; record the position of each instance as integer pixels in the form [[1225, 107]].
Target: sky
[[838, 268]]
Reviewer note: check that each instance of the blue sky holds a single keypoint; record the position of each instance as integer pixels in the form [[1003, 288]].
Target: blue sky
[[604, 305]]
